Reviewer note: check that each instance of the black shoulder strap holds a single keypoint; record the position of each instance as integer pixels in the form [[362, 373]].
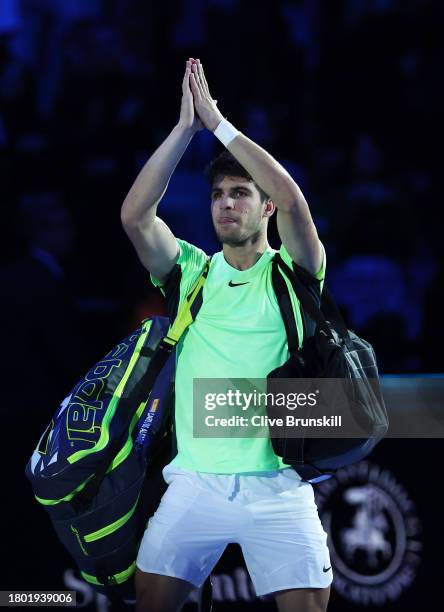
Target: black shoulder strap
[[286, 308], [309, 305], [171, 290], [198, 301]]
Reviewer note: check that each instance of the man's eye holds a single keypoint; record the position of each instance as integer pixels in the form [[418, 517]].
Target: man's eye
[[237, 193]]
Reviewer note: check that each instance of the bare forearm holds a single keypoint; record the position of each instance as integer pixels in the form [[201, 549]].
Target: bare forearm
[[270, 176], [152, 181]]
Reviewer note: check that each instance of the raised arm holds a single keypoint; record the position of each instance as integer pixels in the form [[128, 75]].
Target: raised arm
[[295, 224], [153, 240]]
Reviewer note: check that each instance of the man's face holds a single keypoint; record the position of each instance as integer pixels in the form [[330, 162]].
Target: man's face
[[236, 209]]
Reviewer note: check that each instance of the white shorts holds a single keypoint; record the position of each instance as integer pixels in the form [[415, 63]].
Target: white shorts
[[271, 515]]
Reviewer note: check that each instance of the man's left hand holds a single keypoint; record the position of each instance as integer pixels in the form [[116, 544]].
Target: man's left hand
[[204, 104]]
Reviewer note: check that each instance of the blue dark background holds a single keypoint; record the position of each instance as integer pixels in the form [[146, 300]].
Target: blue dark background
[[345, 94]]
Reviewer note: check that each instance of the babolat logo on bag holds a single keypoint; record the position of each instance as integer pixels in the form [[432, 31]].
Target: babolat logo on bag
[[97, 467], [78, 423], [83, 418]]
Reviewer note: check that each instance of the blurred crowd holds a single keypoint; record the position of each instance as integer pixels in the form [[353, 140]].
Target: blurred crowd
[[344, 94]]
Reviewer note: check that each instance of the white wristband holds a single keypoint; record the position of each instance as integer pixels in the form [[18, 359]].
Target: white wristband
[[226, 132]]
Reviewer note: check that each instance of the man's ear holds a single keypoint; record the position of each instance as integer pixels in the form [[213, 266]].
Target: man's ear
[[269, 208]]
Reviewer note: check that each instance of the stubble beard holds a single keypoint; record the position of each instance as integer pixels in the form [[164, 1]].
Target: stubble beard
[[240, 240]]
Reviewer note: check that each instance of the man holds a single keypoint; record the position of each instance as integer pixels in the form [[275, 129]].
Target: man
[[228, 489]]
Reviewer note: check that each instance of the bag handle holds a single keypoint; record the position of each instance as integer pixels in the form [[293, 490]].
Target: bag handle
[[309, 305]]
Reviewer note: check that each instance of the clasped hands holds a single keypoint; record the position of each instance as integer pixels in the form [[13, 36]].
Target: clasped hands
[[198, 109]]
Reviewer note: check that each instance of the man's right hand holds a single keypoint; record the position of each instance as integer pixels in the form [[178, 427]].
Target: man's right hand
[[188, 117]]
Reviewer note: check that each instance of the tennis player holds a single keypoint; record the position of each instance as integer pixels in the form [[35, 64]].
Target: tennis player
[[228, 490]]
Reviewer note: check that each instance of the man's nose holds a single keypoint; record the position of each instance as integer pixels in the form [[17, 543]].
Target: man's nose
[[227, 202]]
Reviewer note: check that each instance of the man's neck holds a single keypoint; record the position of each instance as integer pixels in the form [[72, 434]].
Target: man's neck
[[246, 255]]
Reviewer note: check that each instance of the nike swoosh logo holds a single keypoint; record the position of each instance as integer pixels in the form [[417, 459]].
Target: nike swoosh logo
[[231, 284], [326, 569]]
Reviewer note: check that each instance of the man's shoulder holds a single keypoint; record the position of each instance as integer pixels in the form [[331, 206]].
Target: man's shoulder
[[189, 252], [320, 274]]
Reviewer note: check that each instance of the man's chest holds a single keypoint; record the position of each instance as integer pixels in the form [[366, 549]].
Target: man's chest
[[235, 304], [238, 331]]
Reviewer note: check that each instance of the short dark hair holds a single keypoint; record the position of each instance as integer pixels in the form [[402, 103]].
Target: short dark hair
[[225, 164]]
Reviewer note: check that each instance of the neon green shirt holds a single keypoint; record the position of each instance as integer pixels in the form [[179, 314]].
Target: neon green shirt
[[238, 333]]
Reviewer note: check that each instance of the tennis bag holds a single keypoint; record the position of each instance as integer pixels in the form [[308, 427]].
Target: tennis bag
[[333, 352], [97, 467]]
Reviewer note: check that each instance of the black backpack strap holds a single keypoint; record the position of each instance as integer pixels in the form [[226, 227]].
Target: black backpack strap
[[284, 302], [313, 286], [198, 301], [171, 290], [309, 305]]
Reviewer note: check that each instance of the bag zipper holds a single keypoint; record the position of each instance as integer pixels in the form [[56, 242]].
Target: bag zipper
[[114, 579], [78, 535], [108, 529]]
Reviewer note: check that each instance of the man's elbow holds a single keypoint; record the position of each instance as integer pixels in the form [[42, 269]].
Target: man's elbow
[[134, 219], [128, 219], [290, 199]]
